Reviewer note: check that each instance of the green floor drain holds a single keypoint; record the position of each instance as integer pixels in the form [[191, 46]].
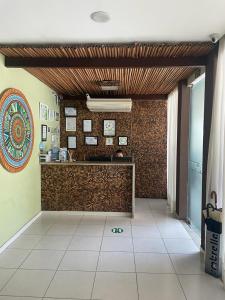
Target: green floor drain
[[117, 230]]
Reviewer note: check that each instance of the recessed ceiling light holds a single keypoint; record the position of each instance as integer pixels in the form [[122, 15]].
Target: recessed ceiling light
[[100, 16], [109, 85]]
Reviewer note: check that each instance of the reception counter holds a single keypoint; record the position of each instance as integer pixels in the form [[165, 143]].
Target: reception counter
[[88, 186]]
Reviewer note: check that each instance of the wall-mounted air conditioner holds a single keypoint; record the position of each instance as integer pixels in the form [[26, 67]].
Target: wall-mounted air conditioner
[[109, 104]]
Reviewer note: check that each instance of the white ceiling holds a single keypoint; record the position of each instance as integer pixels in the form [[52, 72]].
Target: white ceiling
[[68, 21]]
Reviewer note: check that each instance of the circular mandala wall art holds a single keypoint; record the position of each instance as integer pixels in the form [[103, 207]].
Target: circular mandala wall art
[[16, 130]]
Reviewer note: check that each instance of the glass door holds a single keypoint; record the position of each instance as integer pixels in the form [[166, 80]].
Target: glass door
[[195, 153]]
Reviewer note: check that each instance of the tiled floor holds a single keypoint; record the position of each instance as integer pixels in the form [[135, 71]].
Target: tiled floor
[[79, 257]]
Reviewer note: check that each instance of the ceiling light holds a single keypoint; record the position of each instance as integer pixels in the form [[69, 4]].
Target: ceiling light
[[100, 16], [109, 88], [109, 85]]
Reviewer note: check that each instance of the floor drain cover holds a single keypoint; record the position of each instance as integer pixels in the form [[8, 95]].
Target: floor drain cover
[[117, 230]]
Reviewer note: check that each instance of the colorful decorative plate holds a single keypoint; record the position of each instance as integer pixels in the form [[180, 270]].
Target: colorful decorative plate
[[16, 130]]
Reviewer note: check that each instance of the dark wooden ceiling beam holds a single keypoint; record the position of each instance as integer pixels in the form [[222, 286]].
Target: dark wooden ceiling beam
[[104, 63], [132, 96]]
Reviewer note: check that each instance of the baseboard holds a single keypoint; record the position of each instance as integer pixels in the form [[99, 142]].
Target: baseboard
[[18, 233], [89, 213]]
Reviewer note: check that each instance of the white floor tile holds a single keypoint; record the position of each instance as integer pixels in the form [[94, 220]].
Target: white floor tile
[[71, 284], [145, 215], [160, 287], [173, 230], [145, 232], [146, 220], [116, 262], [37, 228], [57, 299], [202, 287], [54, 242], [111, 286], [44, 221], [126, 231], [90, 230], [62, 229], [85, 243], [13, 258], [158, 205], [80, 261], [68, 219], [141, 210], [163, 216], [26, 242], [117, 244], [165, 223], [149, 245], [93, 220], [175, 234], [196, 237], [153, 263], [180, 246], [43, 260], [5, 275], [31, 283], [19, 298], [188, 263], [28, 265], [118, 221], [142, 205]]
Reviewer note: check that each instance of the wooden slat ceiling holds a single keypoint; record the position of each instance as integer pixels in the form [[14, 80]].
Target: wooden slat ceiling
[[132, 81], [137, 81]]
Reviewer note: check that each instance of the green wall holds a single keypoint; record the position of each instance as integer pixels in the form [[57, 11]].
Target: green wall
[[20, 193]]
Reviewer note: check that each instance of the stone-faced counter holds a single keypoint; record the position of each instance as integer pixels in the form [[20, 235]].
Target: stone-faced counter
[[88, 186]]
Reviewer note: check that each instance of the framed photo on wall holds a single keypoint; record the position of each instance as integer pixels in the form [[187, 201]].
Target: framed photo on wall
[[44, 133], [91, 140], [87, 125], [51, 115], [109, 127], [70, 111], [56, 116], [122, 140], [109, 141], [71, 124], [43, 112], [72, 142]]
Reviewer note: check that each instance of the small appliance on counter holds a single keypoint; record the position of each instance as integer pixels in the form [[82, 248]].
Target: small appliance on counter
[[42, 157], [63, 154], [55, 154]]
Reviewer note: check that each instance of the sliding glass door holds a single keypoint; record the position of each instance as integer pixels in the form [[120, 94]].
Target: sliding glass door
[[195, 153]]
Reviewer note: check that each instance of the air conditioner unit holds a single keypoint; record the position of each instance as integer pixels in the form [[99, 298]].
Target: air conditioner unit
[[109, 104]]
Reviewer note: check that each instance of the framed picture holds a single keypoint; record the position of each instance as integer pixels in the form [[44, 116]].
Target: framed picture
[[71, 142], [44, 133], [71, 124], [51, 115], [109, 127], [56, 116], [87, 125], [91, 140], [70, 111], [109, 141], [122, 140], [43, 112]]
